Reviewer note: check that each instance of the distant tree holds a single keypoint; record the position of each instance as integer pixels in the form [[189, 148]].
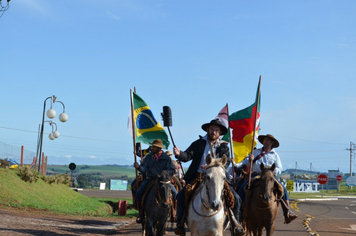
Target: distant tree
[[82, 181]]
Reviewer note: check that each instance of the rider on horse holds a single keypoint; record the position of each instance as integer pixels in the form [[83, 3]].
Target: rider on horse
[[197, 152], [268, 156], [155, 162]]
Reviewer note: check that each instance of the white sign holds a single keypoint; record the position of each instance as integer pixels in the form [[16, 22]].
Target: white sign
[[351, 181], [304, 186], [102, 186]]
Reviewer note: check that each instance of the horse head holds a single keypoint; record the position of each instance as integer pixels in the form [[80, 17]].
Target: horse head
[[163, 184], [214, 180], [267, 181]]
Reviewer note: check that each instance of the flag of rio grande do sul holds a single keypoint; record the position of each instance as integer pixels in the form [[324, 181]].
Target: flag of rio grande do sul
[[242, 124]]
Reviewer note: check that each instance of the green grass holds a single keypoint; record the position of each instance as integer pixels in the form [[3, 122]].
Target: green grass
[[57, 198]]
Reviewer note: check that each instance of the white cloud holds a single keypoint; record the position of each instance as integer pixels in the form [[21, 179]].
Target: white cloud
[[113, 16]]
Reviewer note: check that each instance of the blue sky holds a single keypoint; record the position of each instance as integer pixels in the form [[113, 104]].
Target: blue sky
[[194, 56]]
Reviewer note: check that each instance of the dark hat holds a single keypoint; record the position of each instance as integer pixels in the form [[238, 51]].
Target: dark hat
[[157, 143], [275, 141], [215, 122]]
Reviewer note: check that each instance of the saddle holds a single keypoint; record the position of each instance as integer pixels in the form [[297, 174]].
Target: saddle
[[146, 190], [191, 190], [278, 192]]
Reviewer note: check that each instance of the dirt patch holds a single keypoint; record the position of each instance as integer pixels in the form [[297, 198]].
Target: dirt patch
[[34, 222]]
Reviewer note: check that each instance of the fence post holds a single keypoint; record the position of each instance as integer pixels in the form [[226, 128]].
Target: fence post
[[22, 155]]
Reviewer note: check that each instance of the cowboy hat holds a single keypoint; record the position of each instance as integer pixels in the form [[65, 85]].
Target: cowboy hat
[[169, 153], [217, 123], [275, 141], [157, 143]]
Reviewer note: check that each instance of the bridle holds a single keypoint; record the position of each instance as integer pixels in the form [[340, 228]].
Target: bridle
[[269, 205], [158, 197], [204, 183]]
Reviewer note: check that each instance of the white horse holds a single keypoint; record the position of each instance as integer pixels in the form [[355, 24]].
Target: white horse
[[206, 214]]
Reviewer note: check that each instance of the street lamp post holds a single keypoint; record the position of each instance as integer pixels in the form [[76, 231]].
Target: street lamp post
[[51, 113]]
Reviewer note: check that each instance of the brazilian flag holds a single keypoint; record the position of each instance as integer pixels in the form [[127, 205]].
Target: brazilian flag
[[146, 126]]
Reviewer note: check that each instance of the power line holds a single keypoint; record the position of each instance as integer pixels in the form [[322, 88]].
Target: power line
[[308, 140]]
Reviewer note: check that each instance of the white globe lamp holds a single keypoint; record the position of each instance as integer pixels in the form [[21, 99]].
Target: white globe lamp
[[51, 137], [51, 113], [63, 117], [55, 134]]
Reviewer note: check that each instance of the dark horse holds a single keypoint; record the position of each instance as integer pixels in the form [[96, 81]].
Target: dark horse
[[156, 206], [261, 203]]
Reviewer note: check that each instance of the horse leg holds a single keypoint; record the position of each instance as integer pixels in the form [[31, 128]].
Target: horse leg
[[150, 231], [161, 226], [270, 229]]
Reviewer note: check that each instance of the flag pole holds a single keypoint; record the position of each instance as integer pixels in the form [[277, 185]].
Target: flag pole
[[254, 130], [133, 133], [231, 149]]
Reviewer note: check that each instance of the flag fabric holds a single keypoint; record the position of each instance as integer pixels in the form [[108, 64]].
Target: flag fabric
[[223, 116], [147, 129], [242, 124]]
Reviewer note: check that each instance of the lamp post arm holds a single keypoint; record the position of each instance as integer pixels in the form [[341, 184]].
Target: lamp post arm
[[64, 108]]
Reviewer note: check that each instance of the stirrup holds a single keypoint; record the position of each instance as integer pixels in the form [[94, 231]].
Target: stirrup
[[179, 230], [290, 217], [239, 231]]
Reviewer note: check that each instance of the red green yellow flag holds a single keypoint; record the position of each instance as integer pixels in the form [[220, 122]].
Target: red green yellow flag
[[243, 123]]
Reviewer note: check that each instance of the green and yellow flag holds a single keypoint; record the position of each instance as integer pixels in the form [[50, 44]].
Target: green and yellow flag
[[147, 129]]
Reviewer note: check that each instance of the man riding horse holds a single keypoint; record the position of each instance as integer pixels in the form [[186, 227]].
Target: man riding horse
[[267, 156], [155, 162], [197, 152]]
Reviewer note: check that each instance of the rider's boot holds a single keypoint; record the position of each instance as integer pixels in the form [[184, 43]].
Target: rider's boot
[[289, 216], [238, 229], [134, 203], [180, 222], [140, 214]]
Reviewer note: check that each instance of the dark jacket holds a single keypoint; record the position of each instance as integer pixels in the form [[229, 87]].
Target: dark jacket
[[195, 152], [152, 167]]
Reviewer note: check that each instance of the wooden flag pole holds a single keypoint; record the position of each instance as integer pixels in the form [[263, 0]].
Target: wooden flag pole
[[254, 131], [231, 149], [133, 133]]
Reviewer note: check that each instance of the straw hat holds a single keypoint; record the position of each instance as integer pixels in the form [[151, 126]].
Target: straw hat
[[157, 143], [275, 141]]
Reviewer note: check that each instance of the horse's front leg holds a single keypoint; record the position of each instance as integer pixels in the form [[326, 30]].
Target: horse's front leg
[[150, 231], [270, 229], [161, 226]]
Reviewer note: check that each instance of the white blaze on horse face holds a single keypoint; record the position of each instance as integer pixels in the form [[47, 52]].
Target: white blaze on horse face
[[215, 177]]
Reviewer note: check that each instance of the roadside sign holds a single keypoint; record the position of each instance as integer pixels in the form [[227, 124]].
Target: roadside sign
[[351, 181], [290, 185], [322, 179], [338, 178]]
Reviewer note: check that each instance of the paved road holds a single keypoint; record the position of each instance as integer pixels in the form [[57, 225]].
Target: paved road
[[327, 217]]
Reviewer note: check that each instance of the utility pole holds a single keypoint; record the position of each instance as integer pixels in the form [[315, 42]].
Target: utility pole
[[295, 176], [351, 150]]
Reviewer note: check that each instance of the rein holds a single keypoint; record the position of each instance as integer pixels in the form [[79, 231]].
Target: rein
[[269, 205], [159, 200], [207, 193]]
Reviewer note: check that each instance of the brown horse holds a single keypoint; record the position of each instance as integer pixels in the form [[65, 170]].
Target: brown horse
[[178, 184], [261, 204]]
